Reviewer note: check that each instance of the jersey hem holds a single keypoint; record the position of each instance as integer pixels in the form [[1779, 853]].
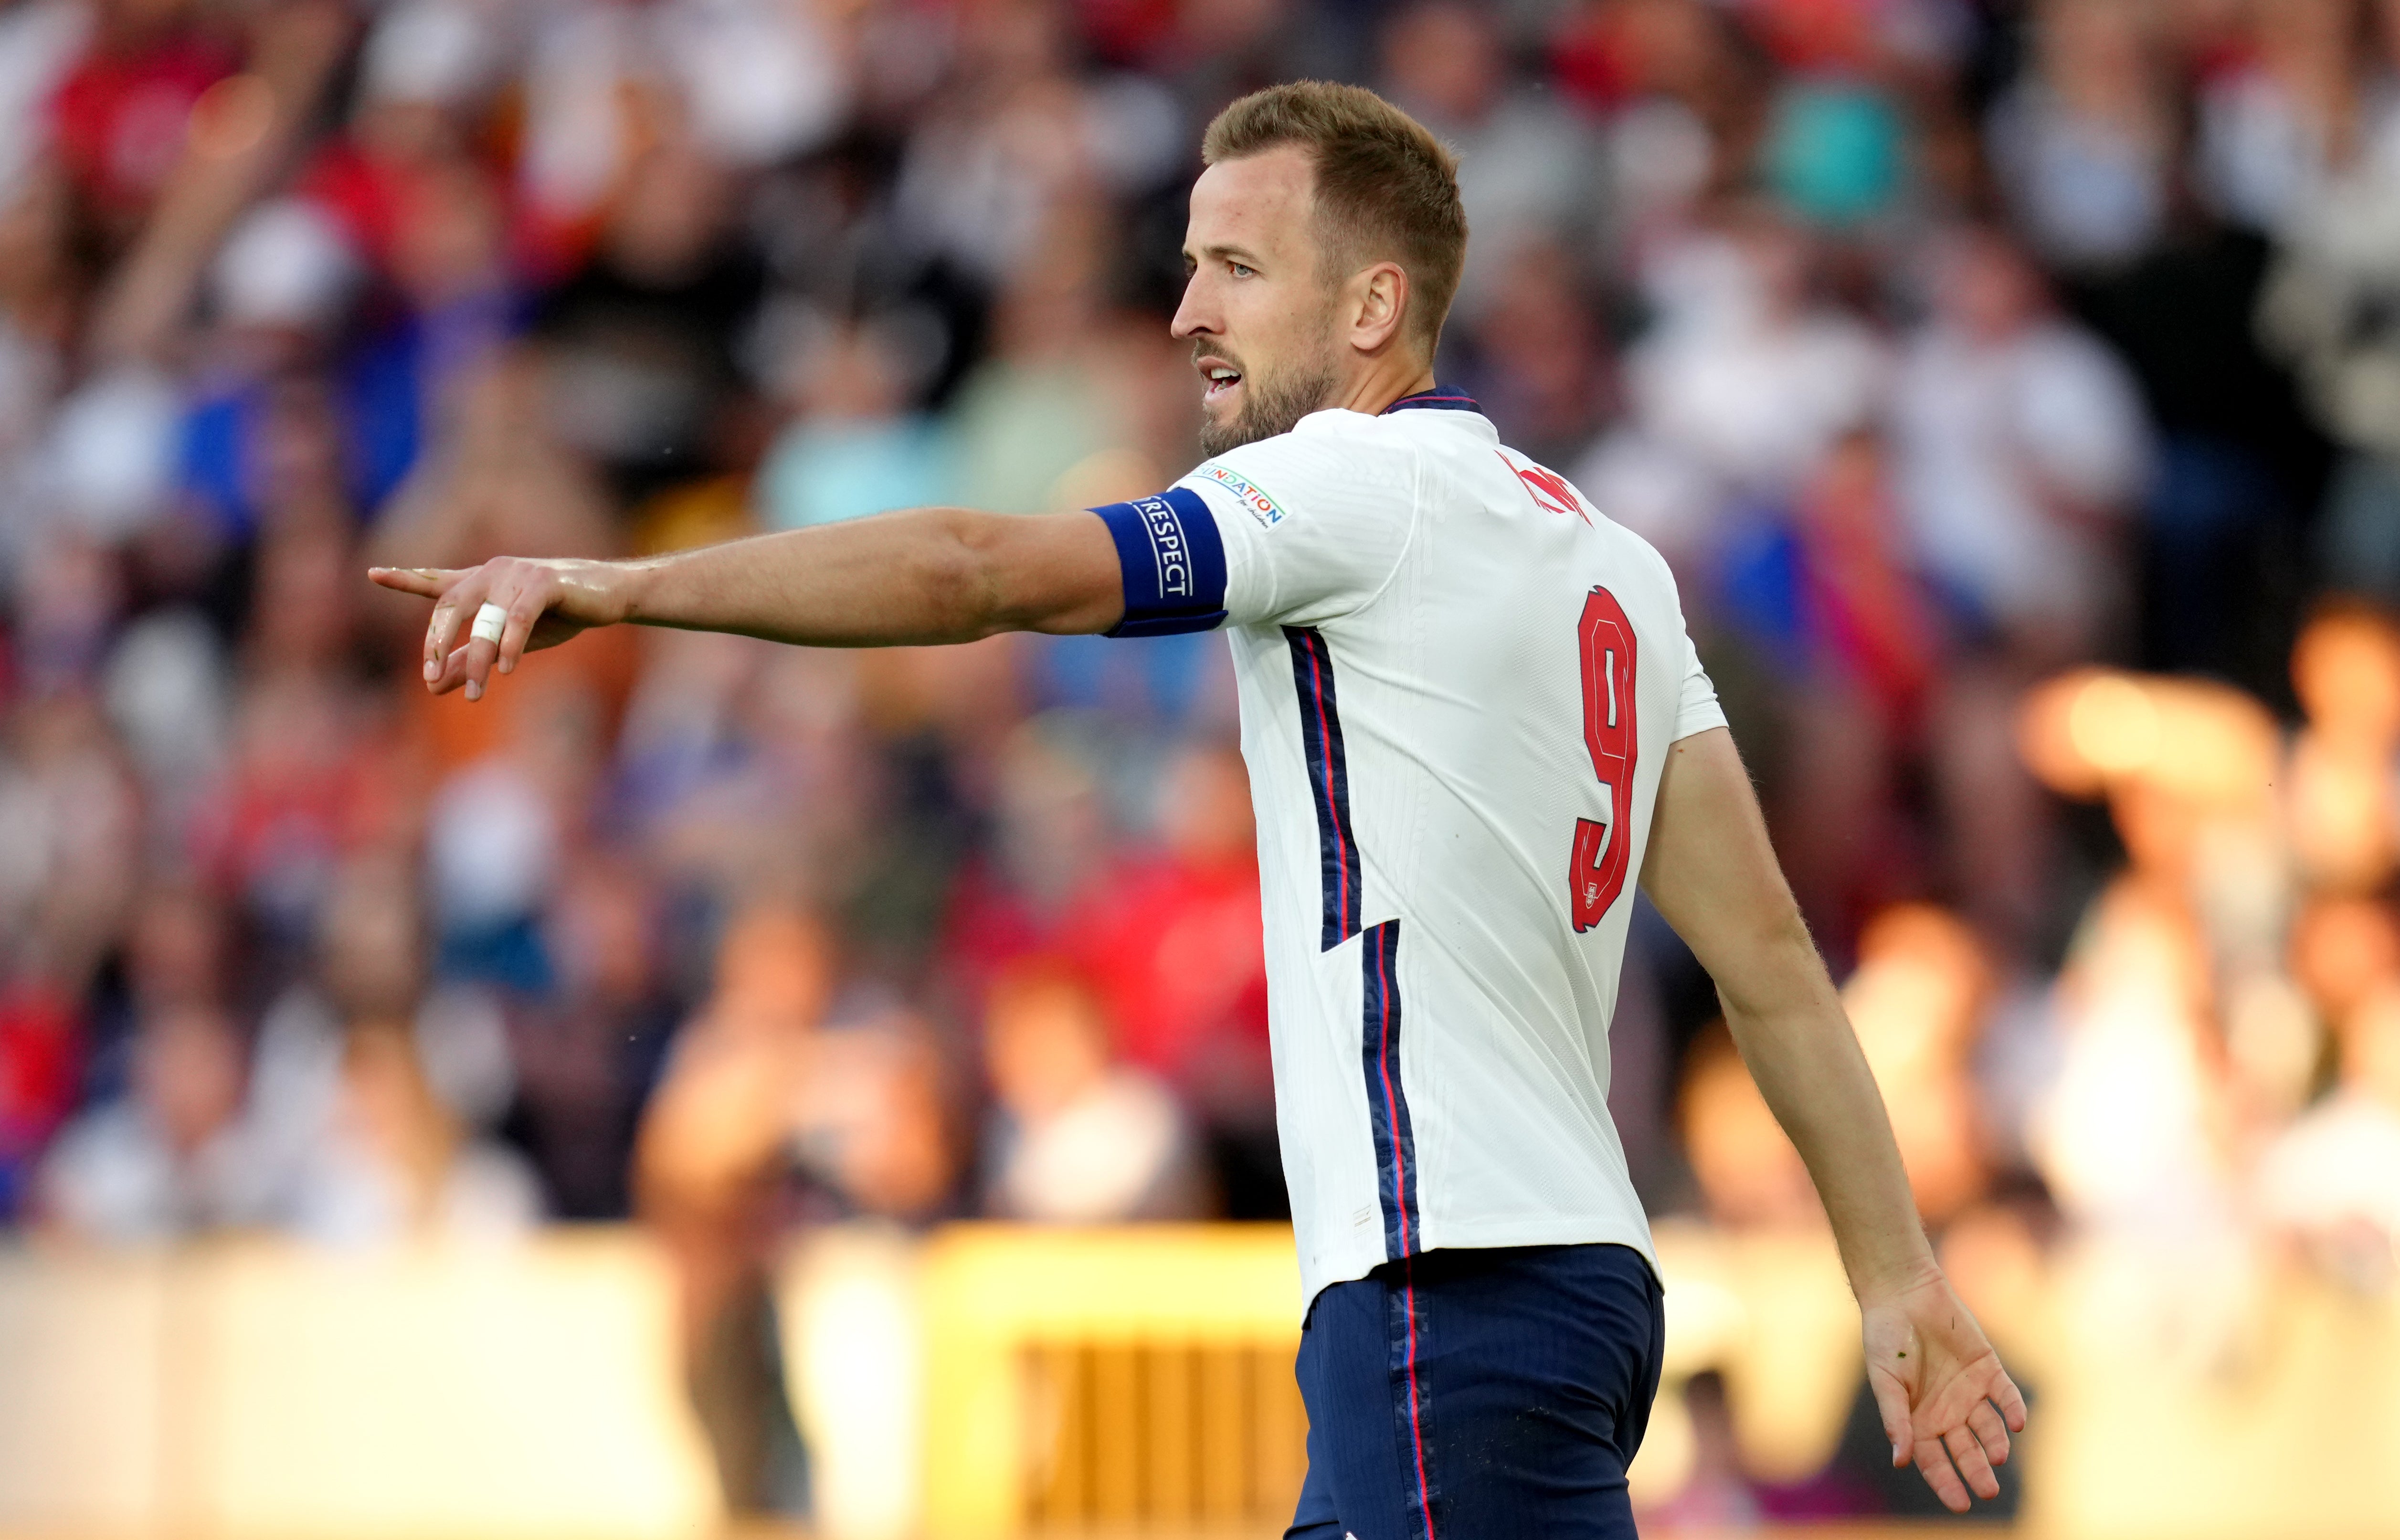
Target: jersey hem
[[1488, 1237]]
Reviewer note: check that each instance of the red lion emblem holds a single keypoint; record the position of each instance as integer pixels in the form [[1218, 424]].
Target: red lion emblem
[[1549, 489]]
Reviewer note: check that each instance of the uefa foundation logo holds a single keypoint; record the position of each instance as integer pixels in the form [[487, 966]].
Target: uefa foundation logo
[[1254, 499]]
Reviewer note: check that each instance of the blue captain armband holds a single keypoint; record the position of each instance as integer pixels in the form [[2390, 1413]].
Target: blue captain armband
[[1174, 563]]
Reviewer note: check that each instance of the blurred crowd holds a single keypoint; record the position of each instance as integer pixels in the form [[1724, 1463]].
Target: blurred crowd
[[2014, 388]]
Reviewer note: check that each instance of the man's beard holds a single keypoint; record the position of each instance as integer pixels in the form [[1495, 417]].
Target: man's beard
[[1269, 405]]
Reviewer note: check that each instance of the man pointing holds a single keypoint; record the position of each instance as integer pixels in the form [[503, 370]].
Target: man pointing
[[1473, 720]]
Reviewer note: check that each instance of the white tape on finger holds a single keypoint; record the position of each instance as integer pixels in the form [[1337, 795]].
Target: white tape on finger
[[490, 621]]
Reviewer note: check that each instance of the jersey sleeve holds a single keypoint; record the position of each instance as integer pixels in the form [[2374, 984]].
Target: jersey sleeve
[[1697, 710], [1298, 529]]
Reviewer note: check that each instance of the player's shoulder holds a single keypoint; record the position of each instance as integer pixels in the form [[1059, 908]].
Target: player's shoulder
[[1557, 496], [1327, 457], [1638, 557]]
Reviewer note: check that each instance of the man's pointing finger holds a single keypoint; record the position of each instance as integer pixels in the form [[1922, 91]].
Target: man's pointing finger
[[424, 581]]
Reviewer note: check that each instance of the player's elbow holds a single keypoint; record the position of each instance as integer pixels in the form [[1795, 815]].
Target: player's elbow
[[960, 574], [1048, 573], [1772, 964]]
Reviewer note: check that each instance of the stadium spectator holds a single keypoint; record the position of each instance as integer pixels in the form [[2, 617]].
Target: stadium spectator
[[167, 1159], [1072, 1139], [396, 1163], [2021, 446], [1046, 860], [2346, 673], [705, 1178], [2083, 145], [1524, 159], [588, 1050], [1749, 372], [852, 448], [2327, 299], [2289, 113], [2331, 1180], [2020, 453]]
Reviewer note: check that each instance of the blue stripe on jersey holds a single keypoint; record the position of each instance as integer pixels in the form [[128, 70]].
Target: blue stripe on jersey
[[1387, 1102], [1328, 783], [1174, 563], [1436, 399]]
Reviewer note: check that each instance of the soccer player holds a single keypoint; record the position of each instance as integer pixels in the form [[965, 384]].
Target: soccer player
[[1472, 719]]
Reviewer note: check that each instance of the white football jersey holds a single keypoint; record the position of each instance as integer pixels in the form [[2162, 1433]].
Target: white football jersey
[[1458, 684]]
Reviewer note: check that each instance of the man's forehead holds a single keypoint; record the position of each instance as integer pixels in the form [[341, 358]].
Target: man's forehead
[[1259, 203]]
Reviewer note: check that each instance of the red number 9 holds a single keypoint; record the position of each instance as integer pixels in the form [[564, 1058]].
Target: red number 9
[[1596, 878]]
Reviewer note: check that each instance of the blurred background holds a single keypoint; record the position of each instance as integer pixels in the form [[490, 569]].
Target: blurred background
[[708, 1083]]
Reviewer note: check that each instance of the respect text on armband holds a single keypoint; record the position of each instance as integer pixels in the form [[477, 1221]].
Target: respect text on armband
[[1168, 545]]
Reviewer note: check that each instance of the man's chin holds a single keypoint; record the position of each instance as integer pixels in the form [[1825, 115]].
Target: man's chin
[[1220, 432], [1251, 410], [1223, 425]]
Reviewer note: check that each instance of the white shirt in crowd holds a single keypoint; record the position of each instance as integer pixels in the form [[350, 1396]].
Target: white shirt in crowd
[[2013, 455]]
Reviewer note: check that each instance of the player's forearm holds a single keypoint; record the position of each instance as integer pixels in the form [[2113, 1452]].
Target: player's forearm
[[900, 578], [1789, 1024], [1712, 873], [925, 576]]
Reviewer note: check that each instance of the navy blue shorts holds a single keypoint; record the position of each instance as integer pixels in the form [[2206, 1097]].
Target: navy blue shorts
[[1472, 1394]]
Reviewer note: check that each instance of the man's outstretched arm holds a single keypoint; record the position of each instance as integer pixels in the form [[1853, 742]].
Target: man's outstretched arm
[[927, 575], [1945, 1399]]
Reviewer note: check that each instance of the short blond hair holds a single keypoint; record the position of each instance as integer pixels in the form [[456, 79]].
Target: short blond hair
[[1386, 189]]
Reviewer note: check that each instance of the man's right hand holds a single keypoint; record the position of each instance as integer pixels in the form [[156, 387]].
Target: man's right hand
[[1946, 1403], [547, 602]]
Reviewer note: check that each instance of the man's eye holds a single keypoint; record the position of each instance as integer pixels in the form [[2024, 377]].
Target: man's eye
[[1241, 271]]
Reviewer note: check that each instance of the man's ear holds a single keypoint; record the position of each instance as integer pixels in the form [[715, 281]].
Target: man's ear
[[1378, 305]]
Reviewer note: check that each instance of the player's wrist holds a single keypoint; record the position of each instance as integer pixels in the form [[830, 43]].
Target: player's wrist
[[1887, 1282], [622, 592]]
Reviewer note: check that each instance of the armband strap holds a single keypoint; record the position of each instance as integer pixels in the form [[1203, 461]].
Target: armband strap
[[1174, 563]]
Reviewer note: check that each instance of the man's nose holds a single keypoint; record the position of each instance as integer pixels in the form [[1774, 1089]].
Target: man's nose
[[1194, 316]]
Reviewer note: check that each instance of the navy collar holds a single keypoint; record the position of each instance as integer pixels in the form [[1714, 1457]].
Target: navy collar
[[1436, 399]]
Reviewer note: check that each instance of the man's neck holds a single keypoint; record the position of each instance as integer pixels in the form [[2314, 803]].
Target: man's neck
[[1384, 381]]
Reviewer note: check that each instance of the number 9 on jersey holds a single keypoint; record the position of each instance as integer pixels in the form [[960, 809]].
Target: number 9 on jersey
[[1596, 876]]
